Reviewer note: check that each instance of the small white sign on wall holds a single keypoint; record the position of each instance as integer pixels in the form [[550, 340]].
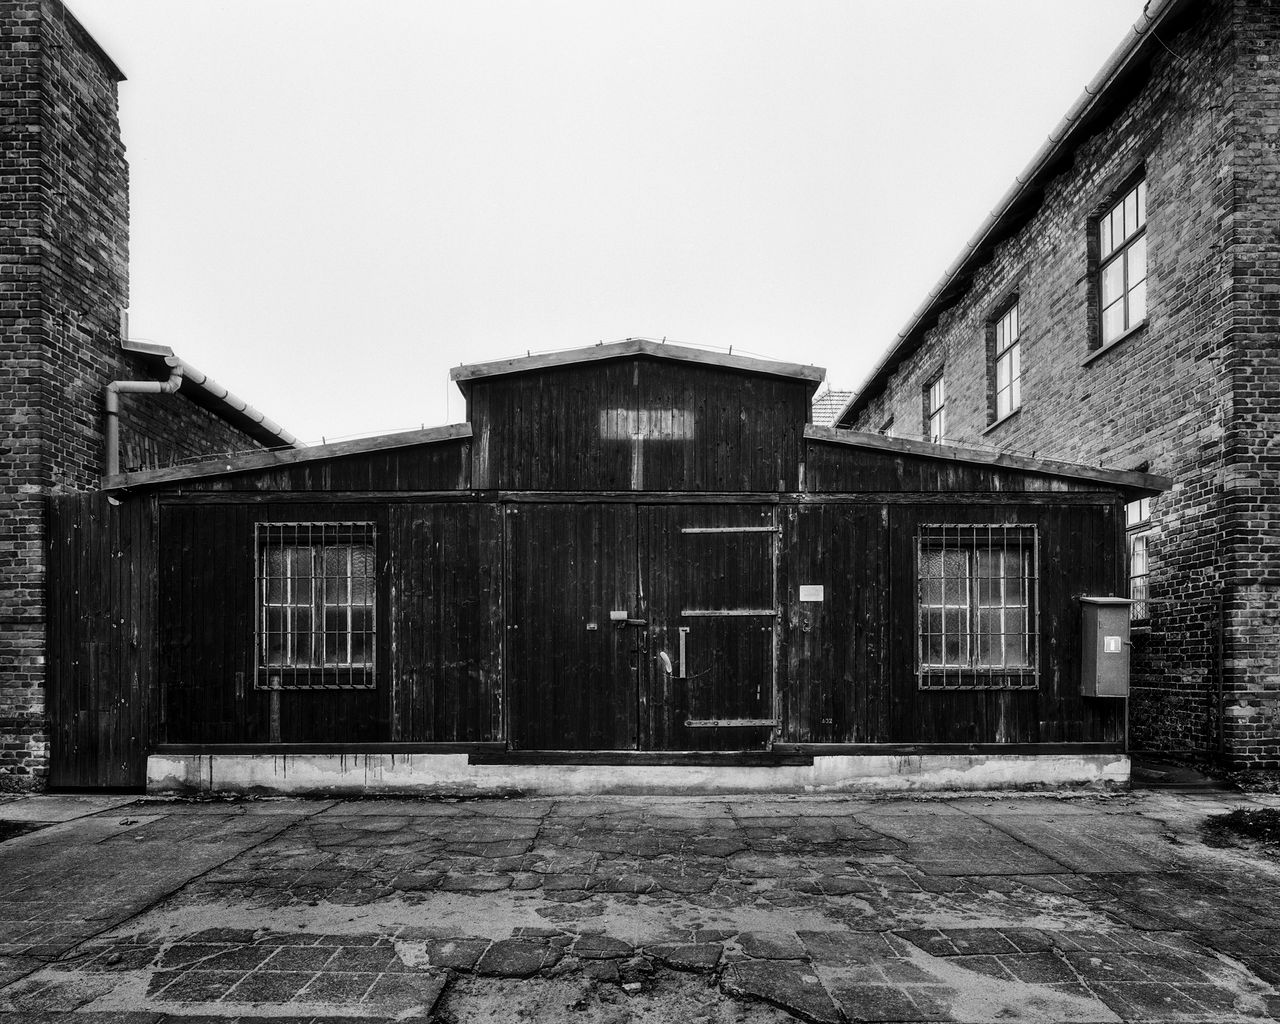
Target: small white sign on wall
[[1111, 645], [811, 592]]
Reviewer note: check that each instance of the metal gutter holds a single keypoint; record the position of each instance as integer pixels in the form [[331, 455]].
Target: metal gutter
[[204, 390], [1121, 59]]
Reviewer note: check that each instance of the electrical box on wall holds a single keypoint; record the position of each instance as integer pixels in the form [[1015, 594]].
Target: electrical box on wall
[[1104, 642]]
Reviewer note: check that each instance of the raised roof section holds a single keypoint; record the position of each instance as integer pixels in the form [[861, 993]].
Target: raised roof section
[[464, 375]]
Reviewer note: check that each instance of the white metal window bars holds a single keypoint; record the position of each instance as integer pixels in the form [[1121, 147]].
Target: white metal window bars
[[977, 607], [1137, 524], [936, 410], [1122, 276], [1008, 364], [316, 599]]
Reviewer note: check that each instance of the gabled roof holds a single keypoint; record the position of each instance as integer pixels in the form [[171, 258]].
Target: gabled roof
[[1127, 480], [1023, 197], [463, 376], [290, 457]]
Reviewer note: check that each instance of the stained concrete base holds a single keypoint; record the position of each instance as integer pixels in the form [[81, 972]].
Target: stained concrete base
[[451, 774]]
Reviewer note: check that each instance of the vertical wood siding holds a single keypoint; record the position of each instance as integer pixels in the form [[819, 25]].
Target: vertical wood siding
[[542, 431], [446, 622], [850, 662], [101, 641]]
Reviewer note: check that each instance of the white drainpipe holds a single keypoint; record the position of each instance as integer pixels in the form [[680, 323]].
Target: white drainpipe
[[135, 387]]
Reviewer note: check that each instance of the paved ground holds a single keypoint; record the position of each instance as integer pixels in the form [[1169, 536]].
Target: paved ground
[[706, 911]]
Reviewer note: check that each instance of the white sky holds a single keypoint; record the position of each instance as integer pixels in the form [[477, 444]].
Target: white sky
[[334, 202]]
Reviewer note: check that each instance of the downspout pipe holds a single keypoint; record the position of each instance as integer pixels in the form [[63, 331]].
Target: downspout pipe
[[134, 387]]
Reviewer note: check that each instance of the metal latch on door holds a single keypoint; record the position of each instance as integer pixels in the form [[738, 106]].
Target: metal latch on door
[[621, 617], [665, 658]]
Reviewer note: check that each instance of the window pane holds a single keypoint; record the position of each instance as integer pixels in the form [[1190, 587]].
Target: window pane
[[955, 564], [930, 591], [1015, 402], [990, 646], [1113, 281], [956, 592], [335, 636], [1104, 237], [1013, 324], [1136, 257], [274, 652], [1138, 303], [1142, 203], [1131, 212], [300, 573], [989, 592], [362, 575], [1113, 322], [1015, 651], [303, 641], [931, 564]]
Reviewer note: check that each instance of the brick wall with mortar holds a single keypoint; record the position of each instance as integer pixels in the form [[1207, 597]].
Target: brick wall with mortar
[[63, 284], [1192, 395]]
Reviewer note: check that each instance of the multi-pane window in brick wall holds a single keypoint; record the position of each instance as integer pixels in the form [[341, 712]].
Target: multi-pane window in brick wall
[[1138, 525], [935, 409], [976, 606], [316, 605], [1008, 363], [1122, 276]]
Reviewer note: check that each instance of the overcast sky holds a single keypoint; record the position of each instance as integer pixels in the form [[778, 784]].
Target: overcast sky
[[335, 202]]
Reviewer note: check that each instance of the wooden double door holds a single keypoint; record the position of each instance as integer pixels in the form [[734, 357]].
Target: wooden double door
[[640, 627]]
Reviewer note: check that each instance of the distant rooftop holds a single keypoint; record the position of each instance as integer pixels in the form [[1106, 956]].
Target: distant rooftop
[[827, 406]]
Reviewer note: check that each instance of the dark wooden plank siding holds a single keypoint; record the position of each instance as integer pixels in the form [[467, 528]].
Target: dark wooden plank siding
[[838, 468], [709, 429], [848, 665], [1072, 561], [101, 640], [572, 672], [729, 670], [446, 622], [833, 653], [207, 637], [441, 466]]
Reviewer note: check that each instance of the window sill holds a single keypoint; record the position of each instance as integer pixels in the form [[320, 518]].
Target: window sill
[[1115, 343], [1002, 420]]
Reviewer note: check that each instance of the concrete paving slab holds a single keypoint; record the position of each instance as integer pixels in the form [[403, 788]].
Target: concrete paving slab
[[968, 909], [51, 807]]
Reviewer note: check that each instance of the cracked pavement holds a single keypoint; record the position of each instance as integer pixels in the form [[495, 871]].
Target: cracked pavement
[[1084, 908]]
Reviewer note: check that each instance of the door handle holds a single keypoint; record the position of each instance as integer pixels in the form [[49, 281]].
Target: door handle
[[635, 622]]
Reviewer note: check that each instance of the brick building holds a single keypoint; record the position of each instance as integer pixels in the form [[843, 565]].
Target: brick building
[[63, 295], [1121, 307]]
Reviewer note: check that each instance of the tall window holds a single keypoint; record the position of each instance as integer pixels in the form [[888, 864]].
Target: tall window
[[935, 409], [977, 607], [1122, 276], [1138, 529], [1008, 364], [316, 605], [886, 428]]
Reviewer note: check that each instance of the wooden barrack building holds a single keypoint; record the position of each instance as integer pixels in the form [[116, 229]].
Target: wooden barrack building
[[631, 557]]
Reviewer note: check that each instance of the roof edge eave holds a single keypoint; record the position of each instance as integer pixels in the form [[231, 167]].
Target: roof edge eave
[[248, 463], [1125, 479]]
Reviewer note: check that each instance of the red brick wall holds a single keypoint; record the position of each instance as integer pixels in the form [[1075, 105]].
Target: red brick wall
[[1192, 395], [63, 283]]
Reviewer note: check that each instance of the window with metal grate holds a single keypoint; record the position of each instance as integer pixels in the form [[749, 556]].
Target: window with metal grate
[[977, 609], [316, 605]]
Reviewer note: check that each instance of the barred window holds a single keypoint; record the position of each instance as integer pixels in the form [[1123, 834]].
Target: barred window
[[316, 600], [977, 607]]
